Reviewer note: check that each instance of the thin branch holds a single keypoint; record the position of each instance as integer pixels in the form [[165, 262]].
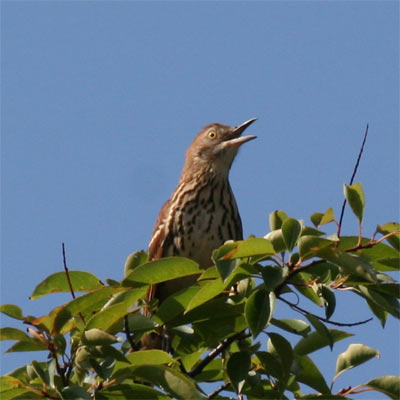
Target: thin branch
[[352, 178], [219, 390], [305, 312], [69, 279], [67, 271], [214, 353], [134, 346]]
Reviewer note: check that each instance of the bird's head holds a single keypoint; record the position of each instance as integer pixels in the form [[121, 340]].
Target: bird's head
[[215, 147]]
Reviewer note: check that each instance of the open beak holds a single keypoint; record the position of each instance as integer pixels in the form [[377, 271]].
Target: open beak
[[238, 140]]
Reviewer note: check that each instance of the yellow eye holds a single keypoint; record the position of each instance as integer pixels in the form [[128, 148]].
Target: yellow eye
[[212, 134]]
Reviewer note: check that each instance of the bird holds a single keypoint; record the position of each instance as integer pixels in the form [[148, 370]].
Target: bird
[[202, 212]]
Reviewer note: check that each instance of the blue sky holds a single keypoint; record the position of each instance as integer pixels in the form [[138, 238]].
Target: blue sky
[[101, 99]]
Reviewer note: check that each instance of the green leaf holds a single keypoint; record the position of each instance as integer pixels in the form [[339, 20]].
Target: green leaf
[[386, 302], [271, 364], [13, 334], [238, 368], [309, 245], [12, 311], [308, 373], [106, 318], [245, 248], [291, 230], [316, 218], [330, 300], [25, 345], [321, 329], [308, 288], [314, 341], [355, 354], [134, 260], [87, 303], [213, 372], [75, 393], [276, 238], [273, 276], [296, 326], [174, 305], [132, 391], [97, 337], [172, 381], [140, 323], [225, 268], [80, 281], [150, 357], [259, 310], [161, 270], [389, 385], [391, 227], [207, 292], [349, 264], [276, 219], [278, 345], [378, 312], [355, 197]]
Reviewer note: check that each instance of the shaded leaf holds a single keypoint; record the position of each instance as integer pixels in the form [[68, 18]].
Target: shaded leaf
[[276, 238], [330, 300], [314, 341], [309, 245], [278, 345], [308, 373], [273, 276], [355, 354], [132, 391], [25, 345], [321, 329], [259, 310], [80, 281], [238, 369], [386, 302], [270, 363], [291, 230]]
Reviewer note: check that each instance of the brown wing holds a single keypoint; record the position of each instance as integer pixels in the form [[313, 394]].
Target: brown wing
[[158, 242]]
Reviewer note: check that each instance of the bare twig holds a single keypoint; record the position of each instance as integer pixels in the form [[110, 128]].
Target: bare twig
[[305, 312], [67, 272], [352, 179], [214, 353], [219, 390], [134, 346], [69, 279]]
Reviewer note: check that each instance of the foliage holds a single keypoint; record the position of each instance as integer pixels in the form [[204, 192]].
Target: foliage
[[218, 324]]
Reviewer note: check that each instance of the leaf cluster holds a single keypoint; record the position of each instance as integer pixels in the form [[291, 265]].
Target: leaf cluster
[[219, 328]]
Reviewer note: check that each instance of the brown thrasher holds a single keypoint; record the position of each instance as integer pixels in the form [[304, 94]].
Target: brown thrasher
[[202, 212]]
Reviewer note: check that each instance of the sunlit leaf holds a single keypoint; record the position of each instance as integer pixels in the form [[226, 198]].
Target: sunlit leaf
[[355, 197], [97, 337], [246, 248], [296, 326], [276, 238], [355, 354], [161, 270], [309, 245], [389, 385], [58, 282], [134, 260], [276, 219], [13, 334], [391, 227], [12, 311]]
